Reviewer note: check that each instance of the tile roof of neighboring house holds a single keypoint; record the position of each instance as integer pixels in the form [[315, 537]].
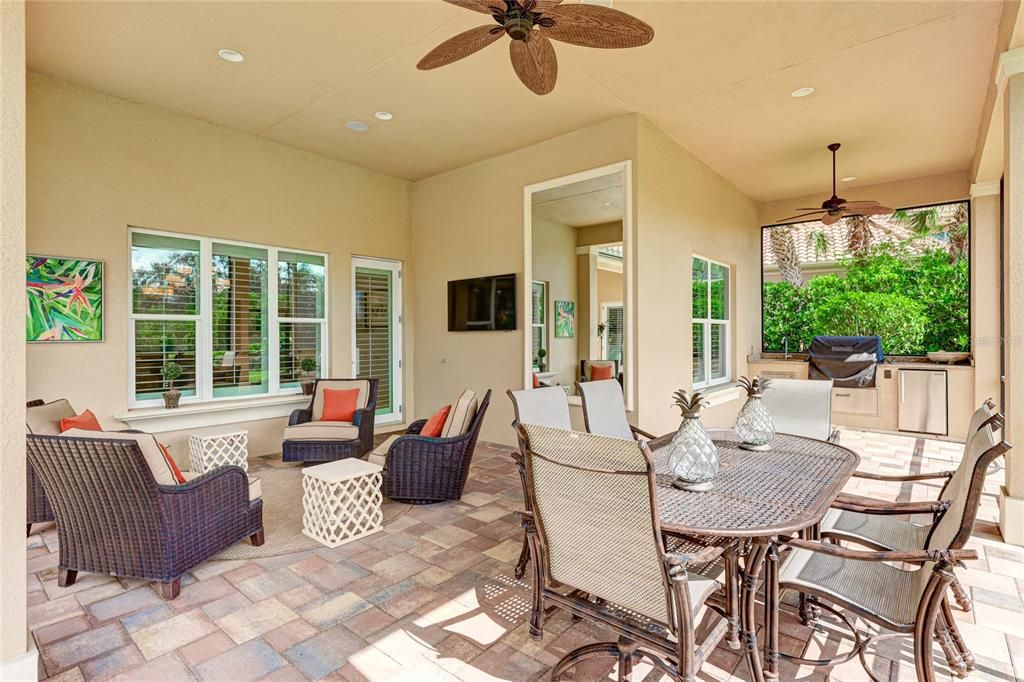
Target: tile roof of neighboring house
[[883, 229]]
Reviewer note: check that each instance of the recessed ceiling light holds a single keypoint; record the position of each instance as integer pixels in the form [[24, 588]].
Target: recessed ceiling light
[[357, 126], [233, 56], [849, 178], [383, 115], [802, 92]]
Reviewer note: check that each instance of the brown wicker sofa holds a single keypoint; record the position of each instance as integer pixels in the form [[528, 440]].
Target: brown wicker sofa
[[307, 439], [421, 470], [113, 517]]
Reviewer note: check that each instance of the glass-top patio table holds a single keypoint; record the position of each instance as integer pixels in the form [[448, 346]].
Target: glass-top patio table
[[757, 496]]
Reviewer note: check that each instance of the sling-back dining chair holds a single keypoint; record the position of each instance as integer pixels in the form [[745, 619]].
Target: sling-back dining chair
[[598, 554], [801, 408], [604, 410]]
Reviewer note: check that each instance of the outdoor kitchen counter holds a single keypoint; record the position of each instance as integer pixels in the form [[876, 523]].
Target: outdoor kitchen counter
[[882, 411]]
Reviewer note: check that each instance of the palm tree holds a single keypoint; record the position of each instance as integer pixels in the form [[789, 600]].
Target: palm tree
[[780, 238], [858, 234], [930, 221], [821, 242]]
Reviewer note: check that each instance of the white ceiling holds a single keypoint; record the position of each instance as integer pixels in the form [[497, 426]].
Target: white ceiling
[[901, 84], [589, 202]]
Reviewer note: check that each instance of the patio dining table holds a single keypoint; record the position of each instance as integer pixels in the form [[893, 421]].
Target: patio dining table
[[757, 496]]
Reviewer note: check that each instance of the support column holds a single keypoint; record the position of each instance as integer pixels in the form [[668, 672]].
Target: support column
[[1011, 501], [985, 213], [17, 654]]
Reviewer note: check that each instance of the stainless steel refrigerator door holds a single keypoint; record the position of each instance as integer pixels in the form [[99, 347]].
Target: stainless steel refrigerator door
[[923, 401]]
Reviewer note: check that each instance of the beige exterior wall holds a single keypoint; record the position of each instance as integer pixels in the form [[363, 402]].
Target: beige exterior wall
[[685, 208], [98, 164], [469, 222], [985, 296], [554, 262], [13, 623]]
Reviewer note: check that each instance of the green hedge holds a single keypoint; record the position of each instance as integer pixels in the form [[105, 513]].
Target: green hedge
[[915, 302]]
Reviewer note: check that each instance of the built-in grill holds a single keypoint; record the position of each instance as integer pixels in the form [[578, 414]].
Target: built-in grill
[[849, 361]]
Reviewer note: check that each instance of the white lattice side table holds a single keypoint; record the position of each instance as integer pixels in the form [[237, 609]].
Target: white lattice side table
[[206, 453], [341, 501]]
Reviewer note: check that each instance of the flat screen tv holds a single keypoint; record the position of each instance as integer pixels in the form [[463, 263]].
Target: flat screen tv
[[482, 304]]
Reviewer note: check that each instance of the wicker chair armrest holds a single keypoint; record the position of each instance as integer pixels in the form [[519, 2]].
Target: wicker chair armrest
[[914, 556], [215, 504], [897, 478], [300, 416], [424, 448], [869, 505], [640, 432], [416, 427], [127, 431]]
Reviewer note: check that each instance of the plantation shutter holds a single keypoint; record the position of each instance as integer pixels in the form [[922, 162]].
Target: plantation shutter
[[374, 333], [614, 331], [302, 316], [239, 322]]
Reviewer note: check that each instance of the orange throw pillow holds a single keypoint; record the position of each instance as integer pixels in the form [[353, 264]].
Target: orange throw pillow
[[536, 380], [601, 372], [339, 404], [175, 471], [85, 421], [432, 429]]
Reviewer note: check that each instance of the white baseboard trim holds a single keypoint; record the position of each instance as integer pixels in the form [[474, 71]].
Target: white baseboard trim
[[23, 667]]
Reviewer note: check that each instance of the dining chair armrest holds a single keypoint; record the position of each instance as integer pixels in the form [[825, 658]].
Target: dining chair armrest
[[869, 505], [913, 556], [927, 476], [640, 432], [704, 555]]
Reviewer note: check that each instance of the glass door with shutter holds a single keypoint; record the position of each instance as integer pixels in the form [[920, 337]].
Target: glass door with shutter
[[377, 335]]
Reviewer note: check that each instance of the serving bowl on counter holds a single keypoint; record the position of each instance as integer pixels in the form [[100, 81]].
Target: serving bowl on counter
[[947, 357]]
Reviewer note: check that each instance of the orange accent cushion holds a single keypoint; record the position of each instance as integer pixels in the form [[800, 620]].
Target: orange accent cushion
[[536, 380], [339, 404], [432, 429], [172, 464], [85, 421], [600, 372]]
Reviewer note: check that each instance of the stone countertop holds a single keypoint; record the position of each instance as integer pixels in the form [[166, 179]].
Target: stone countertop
[[889, 362]]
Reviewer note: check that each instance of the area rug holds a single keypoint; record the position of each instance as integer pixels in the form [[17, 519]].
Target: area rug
[[282, 516]]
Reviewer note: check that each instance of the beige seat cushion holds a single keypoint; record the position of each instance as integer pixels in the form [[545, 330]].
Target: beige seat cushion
[[147, 443], [461, 416], [322, 431], [255, 487], [380, 453], [45, 419], [339, 385]]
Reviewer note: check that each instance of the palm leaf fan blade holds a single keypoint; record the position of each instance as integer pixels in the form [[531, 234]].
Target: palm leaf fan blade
[[595, 26], [535, 63], [460, 46], [482, 6]]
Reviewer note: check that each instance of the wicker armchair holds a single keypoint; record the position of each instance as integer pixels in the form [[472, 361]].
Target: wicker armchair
[[113, 517], [598, 554], [905, 602], [870, 522], [307, 439], [422, 470], [604, 410], [42, 421]]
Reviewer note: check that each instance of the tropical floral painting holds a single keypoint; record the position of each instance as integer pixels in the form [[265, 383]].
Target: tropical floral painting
[[65, 299], [565, 319]]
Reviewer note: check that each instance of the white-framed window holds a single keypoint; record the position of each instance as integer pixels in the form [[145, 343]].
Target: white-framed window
[[539, 321], [612, 332], [239, 319], [711, 283]]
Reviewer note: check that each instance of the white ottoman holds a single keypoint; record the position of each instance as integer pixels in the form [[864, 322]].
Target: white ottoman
[[206, 453], [341, 501]]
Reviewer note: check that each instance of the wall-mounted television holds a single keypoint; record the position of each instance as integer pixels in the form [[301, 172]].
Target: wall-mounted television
[[482, 304]]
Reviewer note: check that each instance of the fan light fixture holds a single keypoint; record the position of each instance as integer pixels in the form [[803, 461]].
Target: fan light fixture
[[233, 56], [357, 126], [802, 92], [835, 207], [532, 25]]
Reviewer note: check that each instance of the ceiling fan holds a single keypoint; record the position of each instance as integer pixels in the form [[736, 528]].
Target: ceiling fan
[[530, 24], [834, 208]]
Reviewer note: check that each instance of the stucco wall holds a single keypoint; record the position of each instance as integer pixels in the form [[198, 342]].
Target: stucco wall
[[13, 626], [554, 262], [98, 164]]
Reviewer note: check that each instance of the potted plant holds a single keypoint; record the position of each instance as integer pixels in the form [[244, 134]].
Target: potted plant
[[308, 367], [541, 365], [171, 372]]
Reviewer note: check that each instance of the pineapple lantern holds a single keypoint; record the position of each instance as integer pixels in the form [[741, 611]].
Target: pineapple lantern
[[692, 457], [754, 424]]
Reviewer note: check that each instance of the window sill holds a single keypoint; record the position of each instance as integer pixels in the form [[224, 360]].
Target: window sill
[[197, 415], [719, 394]]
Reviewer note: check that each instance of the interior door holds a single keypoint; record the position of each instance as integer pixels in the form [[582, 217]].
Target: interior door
[[377, 331]]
